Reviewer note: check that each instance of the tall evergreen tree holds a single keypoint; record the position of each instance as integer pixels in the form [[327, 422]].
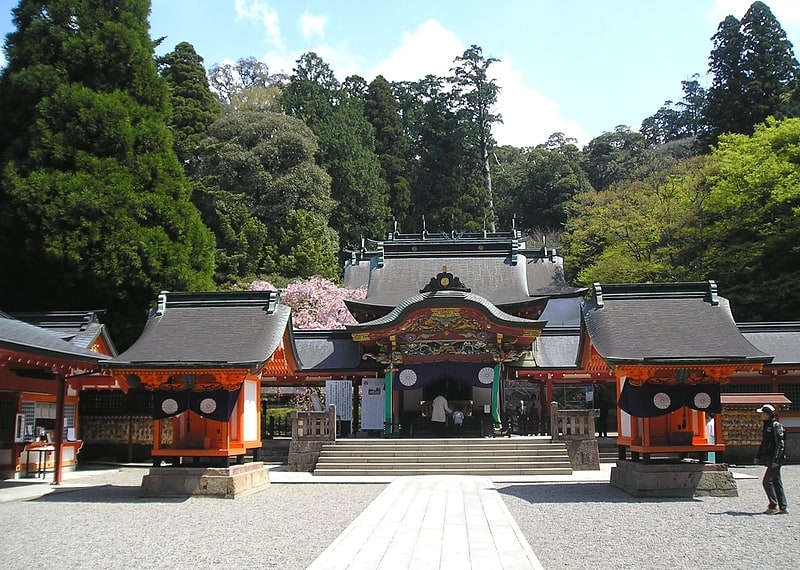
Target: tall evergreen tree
[[769, 62], [94, 206], [726, 101], [194, 107], [382, 111], [476, 95], [755, 72], [347, 146]]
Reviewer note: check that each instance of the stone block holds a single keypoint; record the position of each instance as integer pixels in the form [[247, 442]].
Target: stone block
[[680, 479], [583, 454], [222, 482]]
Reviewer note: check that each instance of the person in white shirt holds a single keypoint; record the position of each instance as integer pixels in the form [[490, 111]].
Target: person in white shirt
[[439, 412]]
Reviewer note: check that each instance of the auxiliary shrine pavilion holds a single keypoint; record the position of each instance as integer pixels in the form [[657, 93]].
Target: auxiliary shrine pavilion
[[479, 318]]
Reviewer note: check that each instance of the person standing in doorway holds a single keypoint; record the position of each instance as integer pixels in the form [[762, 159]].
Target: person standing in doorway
[[439, 412], [772, 453]]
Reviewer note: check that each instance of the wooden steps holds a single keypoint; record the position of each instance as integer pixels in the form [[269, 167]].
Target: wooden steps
[[462, 456]]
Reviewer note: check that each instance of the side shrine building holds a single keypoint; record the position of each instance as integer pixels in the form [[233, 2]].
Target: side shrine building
[[480, 319]]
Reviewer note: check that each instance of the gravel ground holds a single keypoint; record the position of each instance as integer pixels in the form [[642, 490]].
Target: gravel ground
[[286, 526], [594, 525]]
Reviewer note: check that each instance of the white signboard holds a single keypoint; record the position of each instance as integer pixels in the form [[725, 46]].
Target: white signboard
[[372, 403], [340, 394]]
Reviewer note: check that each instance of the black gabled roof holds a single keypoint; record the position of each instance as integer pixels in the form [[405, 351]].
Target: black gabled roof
[[441, 299], [495, 266], [239, 329], [81, 328], [329, 351], [781, 339], [672, 323], [24, 337]]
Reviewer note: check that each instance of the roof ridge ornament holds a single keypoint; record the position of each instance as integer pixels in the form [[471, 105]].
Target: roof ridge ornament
[[445, 281]]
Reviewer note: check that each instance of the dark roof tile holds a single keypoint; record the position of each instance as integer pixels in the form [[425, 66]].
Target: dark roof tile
[[224, 330]]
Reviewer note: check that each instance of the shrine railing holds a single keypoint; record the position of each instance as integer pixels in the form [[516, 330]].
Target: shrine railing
[[314, 426], [572, 424]]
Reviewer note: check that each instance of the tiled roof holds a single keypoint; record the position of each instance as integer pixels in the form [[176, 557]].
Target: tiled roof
[[497, 268], [221, 330], [81, 328], [665, 323], [24, 337], [444, 298], [779, 339], [328, 351], [558, 349]]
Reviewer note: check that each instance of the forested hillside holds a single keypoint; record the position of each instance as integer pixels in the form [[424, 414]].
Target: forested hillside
[[123, 173]]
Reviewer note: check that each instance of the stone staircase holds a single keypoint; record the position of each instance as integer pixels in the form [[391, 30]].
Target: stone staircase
[[462, 456]]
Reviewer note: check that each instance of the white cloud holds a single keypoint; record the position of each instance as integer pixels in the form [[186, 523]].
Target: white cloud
[[311, 25], [262, 14], [529, 117], [430, 49]]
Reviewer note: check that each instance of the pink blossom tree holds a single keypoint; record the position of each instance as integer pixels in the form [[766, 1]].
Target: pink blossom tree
[[317, 303]]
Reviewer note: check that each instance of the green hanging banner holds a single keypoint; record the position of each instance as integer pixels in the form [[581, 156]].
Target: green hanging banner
[[387, 405], [496, 397]]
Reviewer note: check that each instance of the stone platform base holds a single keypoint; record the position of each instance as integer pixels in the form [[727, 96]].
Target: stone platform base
[[674, 479], [222, 482]]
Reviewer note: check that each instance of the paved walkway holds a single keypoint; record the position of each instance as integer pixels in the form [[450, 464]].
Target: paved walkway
[[436, 522], [431, 522]]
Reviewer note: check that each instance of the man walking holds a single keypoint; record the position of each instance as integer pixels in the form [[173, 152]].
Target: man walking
[[772, 453]]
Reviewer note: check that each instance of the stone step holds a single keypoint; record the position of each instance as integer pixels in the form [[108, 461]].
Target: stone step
[[349, 452], [456, 456], [326, 459], [445, 447], [398, 471]]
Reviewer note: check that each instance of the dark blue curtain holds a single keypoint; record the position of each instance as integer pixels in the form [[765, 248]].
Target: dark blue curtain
[[418, 376], [651, 400], [168, 403], [214, 405]]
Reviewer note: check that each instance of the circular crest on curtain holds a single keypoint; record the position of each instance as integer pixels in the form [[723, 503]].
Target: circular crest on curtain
[[486, 375], [661, 400], [407, 377], [169, 406], [208, 405], [702, 400]]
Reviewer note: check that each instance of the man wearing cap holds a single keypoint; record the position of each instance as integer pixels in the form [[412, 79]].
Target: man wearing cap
[[772, 453]]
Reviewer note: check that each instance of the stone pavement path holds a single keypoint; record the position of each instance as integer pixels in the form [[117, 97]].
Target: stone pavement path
[[432, 522]]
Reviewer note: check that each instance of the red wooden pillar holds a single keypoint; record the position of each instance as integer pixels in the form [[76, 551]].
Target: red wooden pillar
[[61, 381]]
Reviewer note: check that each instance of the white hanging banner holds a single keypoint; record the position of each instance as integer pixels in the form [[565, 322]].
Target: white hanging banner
[[340, 394], [372, 403]]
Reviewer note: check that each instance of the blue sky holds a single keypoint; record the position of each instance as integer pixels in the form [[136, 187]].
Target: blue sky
[[580, 67]]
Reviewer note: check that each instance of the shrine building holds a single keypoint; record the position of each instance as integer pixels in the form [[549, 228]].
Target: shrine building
[[481, 319]]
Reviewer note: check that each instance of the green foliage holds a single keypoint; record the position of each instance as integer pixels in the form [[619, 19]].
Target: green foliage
[[308, 247], [347, 147], [615, 156], [382, 111], [535, 185], [754, 71], [347, 143], [751, 220], [634, 230], [258, 170], [94, 209], [194, 107]]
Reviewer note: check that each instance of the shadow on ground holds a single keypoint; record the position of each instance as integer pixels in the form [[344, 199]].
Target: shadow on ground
[[103, 494], [579, 493]]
